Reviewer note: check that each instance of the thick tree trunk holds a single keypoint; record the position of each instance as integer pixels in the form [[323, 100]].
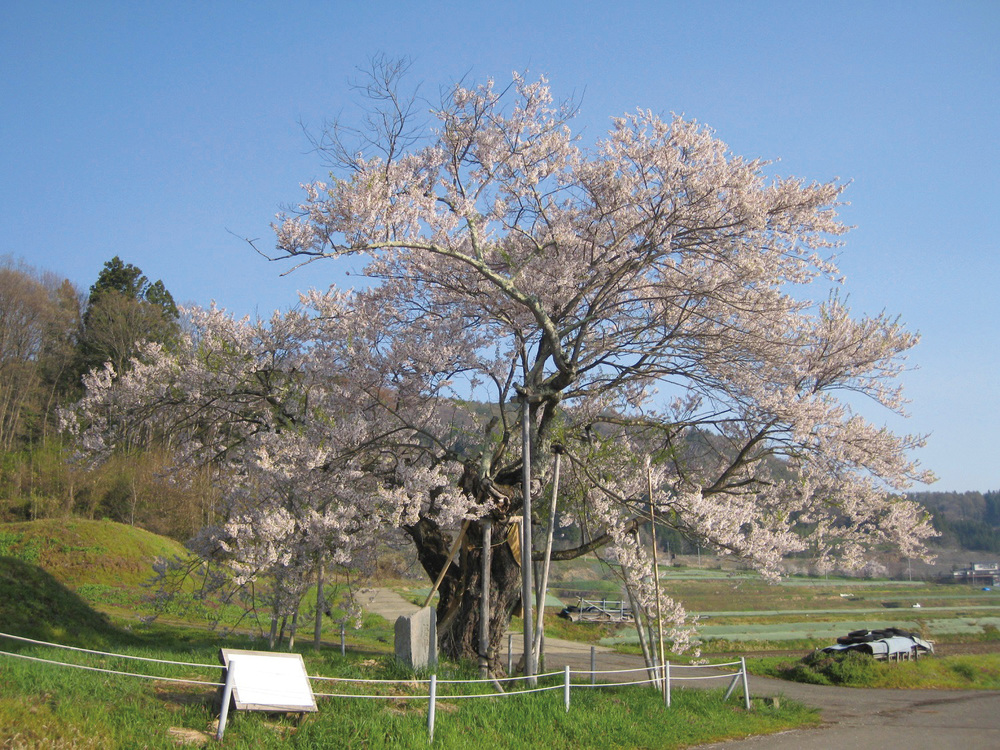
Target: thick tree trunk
[[458, 609]]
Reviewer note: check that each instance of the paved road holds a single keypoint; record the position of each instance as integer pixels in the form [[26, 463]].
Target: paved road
[[853, 718], [884, 719]]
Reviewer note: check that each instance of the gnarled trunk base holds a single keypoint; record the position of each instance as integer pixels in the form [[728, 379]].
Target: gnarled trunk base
[[459, 605]]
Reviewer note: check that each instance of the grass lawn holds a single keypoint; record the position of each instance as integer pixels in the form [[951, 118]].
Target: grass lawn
[[52, 706], [47, 593], [80, 583]]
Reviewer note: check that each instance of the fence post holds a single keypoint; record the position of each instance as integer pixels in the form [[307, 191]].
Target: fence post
[[510, 652], [666, 690], [746, 685], [430, 709], [343, 643], [593, 665], [566, 687]]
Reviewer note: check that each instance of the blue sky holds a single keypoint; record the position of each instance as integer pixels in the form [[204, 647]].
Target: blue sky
[[163, 132]]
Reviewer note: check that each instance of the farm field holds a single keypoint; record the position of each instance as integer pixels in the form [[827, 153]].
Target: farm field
[[740, 612]]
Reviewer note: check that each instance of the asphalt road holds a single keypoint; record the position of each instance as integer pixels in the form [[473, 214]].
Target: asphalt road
[[857, 719]]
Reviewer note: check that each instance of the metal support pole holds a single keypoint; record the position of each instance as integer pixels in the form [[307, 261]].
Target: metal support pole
[[549, 535], [656, 566], [732, 686], [484, 611], [746, 685], [343, 640], [227, 693], [666, 694], [431, 707], [451, 556], [566, 687], [593, 665], [529, 664]]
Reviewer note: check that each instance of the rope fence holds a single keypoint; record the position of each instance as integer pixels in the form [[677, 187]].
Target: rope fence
[[660, 676]]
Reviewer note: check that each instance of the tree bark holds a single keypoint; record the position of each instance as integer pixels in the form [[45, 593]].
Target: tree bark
[[458, 608]]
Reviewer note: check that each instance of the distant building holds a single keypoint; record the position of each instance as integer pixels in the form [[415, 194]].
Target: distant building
[[977, 574]]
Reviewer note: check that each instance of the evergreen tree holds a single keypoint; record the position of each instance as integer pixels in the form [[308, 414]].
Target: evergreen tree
[[124, 308]]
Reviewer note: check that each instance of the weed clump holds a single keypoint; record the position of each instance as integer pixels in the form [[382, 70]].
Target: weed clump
[[847, 668]]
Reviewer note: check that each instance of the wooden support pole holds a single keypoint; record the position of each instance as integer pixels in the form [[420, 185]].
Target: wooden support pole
[[451, 556]]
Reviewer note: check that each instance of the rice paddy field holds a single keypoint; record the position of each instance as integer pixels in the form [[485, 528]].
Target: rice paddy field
[[738, 611]]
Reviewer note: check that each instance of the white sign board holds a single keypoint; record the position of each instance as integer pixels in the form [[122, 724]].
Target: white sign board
[[263, 681]]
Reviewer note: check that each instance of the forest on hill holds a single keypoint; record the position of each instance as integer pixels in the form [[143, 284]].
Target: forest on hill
[[51, 334], [965, 520]]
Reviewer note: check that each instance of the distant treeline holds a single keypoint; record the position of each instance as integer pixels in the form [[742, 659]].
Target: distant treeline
[[969, 520]]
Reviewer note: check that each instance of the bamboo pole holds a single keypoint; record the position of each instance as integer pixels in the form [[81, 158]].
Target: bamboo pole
[[447, 564]]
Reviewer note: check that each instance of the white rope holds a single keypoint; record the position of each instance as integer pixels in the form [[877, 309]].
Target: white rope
[[427, 682], [379, 682], [108, 653], [502, 679], [611, 671], [499, 695], [111, 671], [613, 684], [657, 669], [705, 666], [377, 697]]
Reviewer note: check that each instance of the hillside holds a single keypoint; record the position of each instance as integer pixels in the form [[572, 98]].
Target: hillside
[[44, 563], [78, 552], [968, 521], [33, 604]]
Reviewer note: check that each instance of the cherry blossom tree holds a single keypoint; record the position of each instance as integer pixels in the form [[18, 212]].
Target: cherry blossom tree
[[644, 298]]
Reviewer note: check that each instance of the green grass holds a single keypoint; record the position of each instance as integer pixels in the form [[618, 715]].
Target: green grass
[[35, 605], [972, 672], [91, 593], [78, 551], [45, 705], [81, 584]]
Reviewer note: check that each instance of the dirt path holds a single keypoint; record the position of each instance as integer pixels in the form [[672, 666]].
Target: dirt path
[[857, 719]]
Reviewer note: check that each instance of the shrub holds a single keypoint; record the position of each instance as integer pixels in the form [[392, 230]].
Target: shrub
[[802, 673], [847, 668], [852, 668]]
